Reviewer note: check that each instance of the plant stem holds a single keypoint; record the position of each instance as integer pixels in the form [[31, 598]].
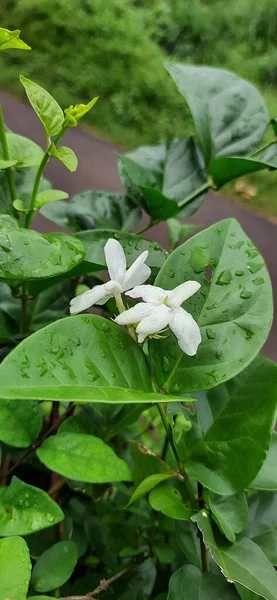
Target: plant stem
[[168, 430], [206, 186], [9, 171], [24, 300], [5, 468], [143, 229], [203, 547], [261, 149], [121, 308], [39, 174]]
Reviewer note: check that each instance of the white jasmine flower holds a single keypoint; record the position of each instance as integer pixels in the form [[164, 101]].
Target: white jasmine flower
[[162, 308], [121, 278]]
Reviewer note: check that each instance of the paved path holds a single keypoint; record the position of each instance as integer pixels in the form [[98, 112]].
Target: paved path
[[97, 170]]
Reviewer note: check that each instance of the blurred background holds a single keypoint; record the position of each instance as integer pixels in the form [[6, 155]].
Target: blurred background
[[116, 49]]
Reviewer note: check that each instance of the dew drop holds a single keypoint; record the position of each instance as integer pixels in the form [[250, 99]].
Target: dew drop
[[258, 281], [218, 354], [254, 267], [211, 335], [239, 273], [224, 278], [105, 327], [245, 294], [171, 274]]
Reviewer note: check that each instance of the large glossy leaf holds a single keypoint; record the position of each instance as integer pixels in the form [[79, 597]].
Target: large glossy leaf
[[26, 254], [159, 178], [242, 562], [169, 501], [229, 512], [226, 169], [188, 583], [46, 107], [25, 509], [262, 523], [54, 567], [229, 114], [93, 209], [233, 308], [267, 476], [235, 444], [133, 245], [23, 152], [84, 458], [20, 423], [15, 568]]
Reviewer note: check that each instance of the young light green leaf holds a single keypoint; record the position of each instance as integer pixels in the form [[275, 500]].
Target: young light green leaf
[[23, 151], [229, 512], [49, 196], [46, 107], [15, 568], [262, 523], [146, 463], [10, 39], [178, 231], [188, 583], [64, 155], [169, 501], [20, 206], [54, 567], [267, 476], [232, 450], [84, 458], [20, 423], [25, 509], [233, 308], [216, 96], [73, 114], [6, 164], [242, 562], [224, 169], [94, 210], [147, 485]]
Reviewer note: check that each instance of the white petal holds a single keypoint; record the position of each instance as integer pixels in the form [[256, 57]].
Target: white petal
[[115, 260], [182, 292], [134, 314], [186, 330], [149, 293], [137, 273], [158, 318], [87, 299]]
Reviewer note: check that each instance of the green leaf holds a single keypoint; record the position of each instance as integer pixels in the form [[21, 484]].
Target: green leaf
[[6, 206], [158, 178], [246, 594], [52, 304], [169, 501], [25, 509], [47, 109], [242, 562], [93, 209], [11, 39], [20, 423], [226, 169], [229, 512], [23, 152], [188, 583], [262, 523], [20, 206], [73, 114], [64, 155], [133, 246], [187, 536], [15, 568], [147, 485], [234, 446], [146, 463], [54, 567], [26, 254], [216, 97], [49, 196], [5, 164], [165, 554], [233, 308], [84, 458], [178, 231], [267, 476]]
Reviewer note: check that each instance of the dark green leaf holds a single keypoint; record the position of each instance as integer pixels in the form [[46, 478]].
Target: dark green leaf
[[229, 114], [235, 445], [267, 476], [262, 523], [15, 568], [52, 304], [223, 170], [242, 562], [187, 536], [246, 594], [6, 206], [92, 209], [23, 152], [233, 309], [20, 423], [46, 107], [169, 501], [25, 509], [133, 246], [26, 254], [11, 39], [188, 583], [54, 567], [84, 458], [178, 231], [146, 463], [229, 512], [164, 553]]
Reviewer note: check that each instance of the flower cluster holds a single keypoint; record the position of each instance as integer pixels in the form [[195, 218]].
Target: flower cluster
[[160, 308]]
